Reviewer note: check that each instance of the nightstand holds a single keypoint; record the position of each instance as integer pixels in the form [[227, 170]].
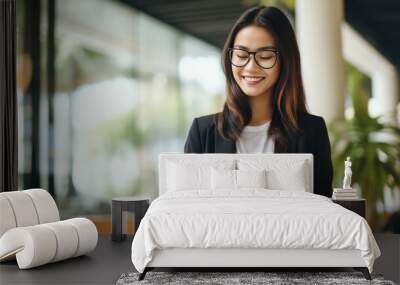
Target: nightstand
[[356, 205], [119, 207]]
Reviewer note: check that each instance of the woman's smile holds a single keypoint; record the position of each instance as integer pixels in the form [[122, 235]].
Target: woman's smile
[[252, 80]]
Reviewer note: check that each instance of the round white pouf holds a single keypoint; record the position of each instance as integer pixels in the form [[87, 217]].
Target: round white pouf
[[6, 215], [40, 244], [33, 246], [45, 205], [23, 208], [87, 234], [67, 240]]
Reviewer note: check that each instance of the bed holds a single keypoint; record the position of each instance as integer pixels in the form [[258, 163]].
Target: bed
[[247, 210]]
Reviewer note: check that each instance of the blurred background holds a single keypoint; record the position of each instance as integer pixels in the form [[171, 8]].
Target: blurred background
[[104, 86]]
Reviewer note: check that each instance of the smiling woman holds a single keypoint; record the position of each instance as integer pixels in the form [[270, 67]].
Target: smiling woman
[[265, 107]]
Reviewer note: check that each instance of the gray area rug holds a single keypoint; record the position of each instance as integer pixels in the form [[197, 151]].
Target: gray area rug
[[229, 278]]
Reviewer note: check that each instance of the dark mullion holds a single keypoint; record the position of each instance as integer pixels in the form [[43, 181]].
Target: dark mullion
[[51, 88], [32, 48], [8, 98]]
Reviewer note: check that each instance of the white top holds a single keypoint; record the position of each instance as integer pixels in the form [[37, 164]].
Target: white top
[[254, 139]]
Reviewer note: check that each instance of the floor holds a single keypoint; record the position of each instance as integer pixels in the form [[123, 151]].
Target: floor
[[388, 263], [111, 259]]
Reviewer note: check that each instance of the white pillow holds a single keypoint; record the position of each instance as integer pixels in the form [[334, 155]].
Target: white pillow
[[251, 178], [227, 179], [193, 174], [187, 177], [281, 174], [223, 179], [293, 179]]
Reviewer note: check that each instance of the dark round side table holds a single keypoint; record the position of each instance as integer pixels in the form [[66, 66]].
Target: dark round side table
[[357, 205], [119, 207]]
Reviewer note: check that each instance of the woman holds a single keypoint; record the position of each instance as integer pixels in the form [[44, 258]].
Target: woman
[[265, 109]]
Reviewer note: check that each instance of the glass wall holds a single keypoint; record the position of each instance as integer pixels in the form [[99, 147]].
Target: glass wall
[[127, 87]]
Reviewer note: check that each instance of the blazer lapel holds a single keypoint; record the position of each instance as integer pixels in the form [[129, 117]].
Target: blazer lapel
[[301, 143], [292, 143], [295, 142], [224, 146]]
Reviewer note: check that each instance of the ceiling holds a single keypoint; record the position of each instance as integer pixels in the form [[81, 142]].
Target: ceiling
[[378, 21]]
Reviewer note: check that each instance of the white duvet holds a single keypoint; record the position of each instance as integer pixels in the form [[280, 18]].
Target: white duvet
[[251, 218]]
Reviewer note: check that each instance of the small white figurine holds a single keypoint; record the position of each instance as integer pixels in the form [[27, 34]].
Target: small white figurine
[[347, 174]]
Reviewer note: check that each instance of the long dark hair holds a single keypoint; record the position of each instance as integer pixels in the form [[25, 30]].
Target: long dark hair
[[288, 100]]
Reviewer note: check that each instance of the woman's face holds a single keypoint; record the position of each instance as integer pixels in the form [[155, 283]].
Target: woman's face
[[252, 78]]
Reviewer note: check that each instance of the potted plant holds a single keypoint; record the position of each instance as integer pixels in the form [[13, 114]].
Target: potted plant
[[374, 148]]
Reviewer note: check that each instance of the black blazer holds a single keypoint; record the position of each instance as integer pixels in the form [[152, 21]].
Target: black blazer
[[203, 137]]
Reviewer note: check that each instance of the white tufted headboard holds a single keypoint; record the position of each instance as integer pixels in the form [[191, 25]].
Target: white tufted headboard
[[277, 161]]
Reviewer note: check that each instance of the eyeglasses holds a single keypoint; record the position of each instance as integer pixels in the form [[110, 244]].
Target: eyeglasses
[[264, 58]]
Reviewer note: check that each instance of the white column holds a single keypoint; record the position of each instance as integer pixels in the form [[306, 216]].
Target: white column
[[318, 25], [383, 74], [385, 95]]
